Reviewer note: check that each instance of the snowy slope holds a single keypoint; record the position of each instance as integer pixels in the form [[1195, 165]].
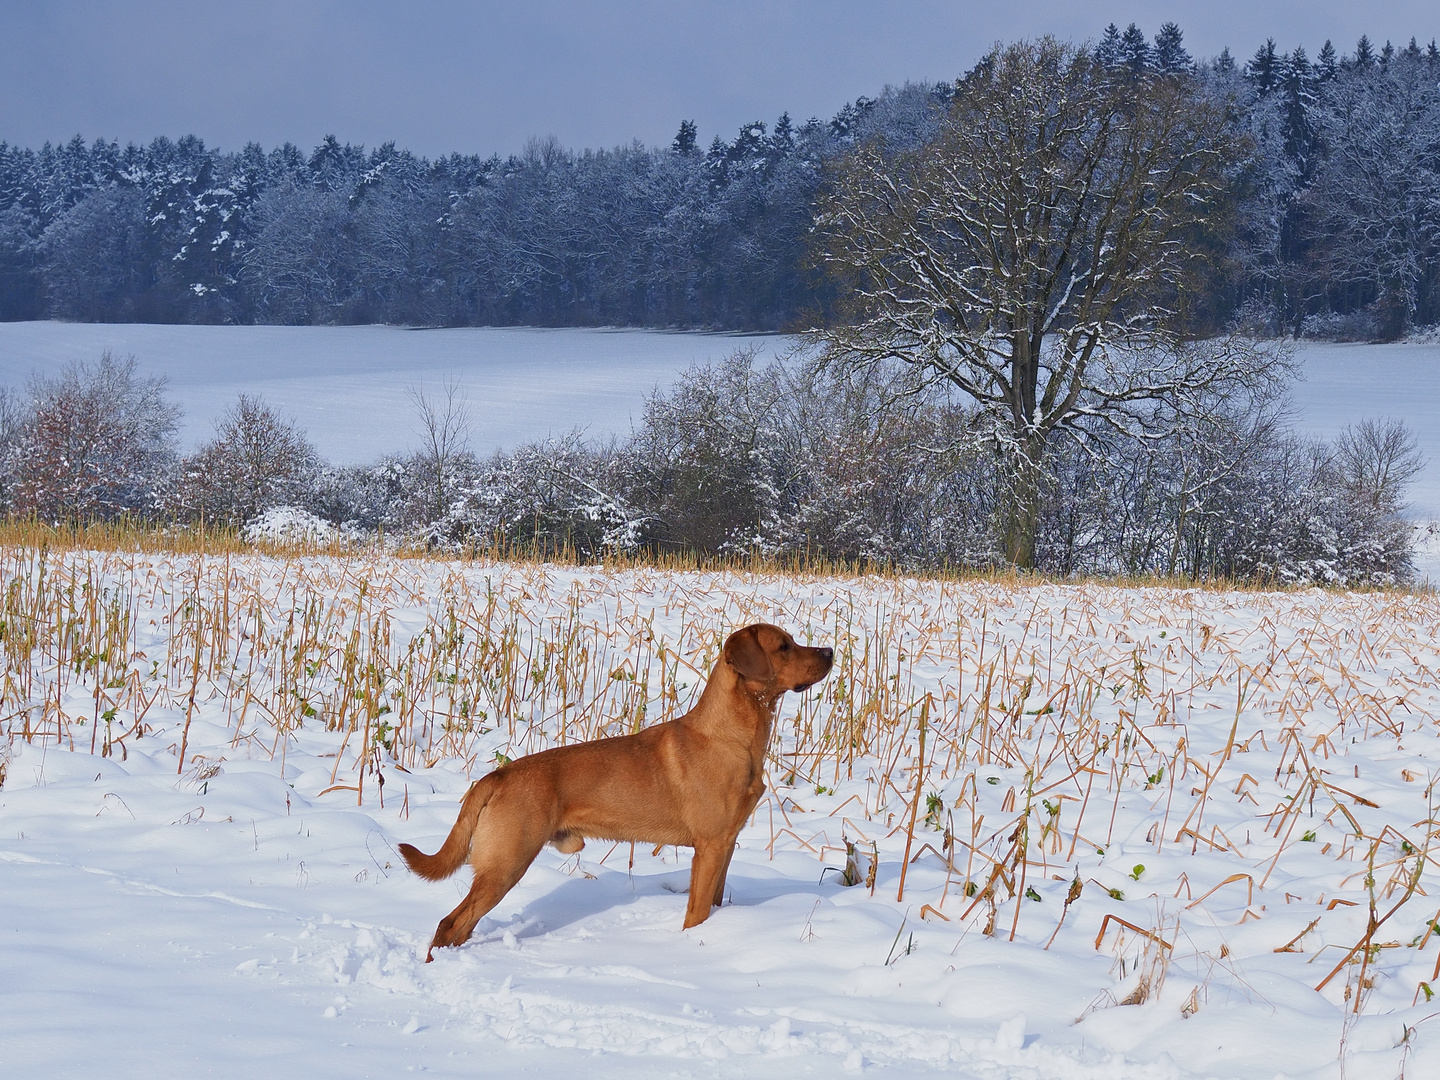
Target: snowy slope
[[1219, 770], [346, 384]]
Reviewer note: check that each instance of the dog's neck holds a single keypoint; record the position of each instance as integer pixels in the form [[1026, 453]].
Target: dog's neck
[[725, 688]]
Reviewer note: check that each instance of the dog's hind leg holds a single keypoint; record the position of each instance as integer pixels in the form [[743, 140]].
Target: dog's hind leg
[[500, 857]]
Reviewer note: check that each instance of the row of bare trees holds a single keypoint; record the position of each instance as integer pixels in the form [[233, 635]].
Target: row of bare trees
[[98, 441], [788, 459]]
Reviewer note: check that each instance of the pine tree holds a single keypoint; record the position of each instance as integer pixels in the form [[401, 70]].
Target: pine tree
[[1225, 63], [1134, 50], [333, 166], [1170, 54], [1263, 71], [1298, 83], [842, 124], [684, 143], [1387, 54], [1107, 52], [1364, 53], [1326, 65], [749, 143], [715, 161], [782, 139]]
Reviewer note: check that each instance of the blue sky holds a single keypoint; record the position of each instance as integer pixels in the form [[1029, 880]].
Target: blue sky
[[442, 75]]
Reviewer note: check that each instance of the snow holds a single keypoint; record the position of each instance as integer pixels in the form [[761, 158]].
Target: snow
[[346, 384], [245, 909], [291, 525]]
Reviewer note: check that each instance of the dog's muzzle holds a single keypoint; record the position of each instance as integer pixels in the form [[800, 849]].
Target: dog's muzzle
[[827, 655]]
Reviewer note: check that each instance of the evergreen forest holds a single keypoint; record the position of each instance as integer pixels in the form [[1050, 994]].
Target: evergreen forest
[[1331, 225]]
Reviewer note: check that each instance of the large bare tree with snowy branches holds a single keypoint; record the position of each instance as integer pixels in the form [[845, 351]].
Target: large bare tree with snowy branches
[[1034, 255]]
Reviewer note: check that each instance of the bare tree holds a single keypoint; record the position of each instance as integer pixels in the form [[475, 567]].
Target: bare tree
[[259, 459], [297, 265], [95, 258], [1033, 255], [95, 441], [443, 425], [1378, 459]]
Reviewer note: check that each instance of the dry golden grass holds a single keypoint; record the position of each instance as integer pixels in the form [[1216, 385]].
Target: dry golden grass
[[137, 535]]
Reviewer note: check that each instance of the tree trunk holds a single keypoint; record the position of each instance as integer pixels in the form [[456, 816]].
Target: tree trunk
[[1023, 524]]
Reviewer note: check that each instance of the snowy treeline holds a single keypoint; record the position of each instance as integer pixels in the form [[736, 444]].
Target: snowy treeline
[[179, 231], [1339, 222], [1335, 228], [781, 459]]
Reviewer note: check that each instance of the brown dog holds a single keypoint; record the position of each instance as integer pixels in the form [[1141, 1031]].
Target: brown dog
[[692, 781]]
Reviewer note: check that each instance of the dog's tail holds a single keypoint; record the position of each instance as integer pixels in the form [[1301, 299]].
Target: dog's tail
[[456, 848]]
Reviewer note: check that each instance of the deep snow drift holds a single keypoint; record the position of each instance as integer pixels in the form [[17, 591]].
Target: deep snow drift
[[208, 762]]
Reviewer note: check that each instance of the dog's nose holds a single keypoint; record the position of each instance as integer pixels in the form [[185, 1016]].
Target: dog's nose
[[828, 655]]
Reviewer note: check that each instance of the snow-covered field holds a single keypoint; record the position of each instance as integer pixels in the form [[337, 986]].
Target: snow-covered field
[[346, 384], [200, 875]]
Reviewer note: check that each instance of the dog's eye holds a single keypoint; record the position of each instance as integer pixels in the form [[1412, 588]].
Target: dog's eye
[[784, 645]]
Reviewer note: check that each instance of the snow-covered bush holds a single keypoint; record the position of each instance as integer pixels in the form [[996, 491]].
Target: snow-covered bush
[[259, 459], [1361, 325], [549, 496], [93, 441], [1244, 498], [787, 460], [292, 525], [368, 497], [874, 468], [708, 460]]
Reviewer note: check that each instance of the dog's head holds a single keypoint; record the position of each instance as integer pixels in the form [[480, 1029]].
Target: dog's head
[[768, 656]]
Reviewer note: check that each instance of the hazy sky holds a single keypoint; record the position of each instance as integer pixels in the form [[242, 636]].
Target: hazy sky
[[479, 76]]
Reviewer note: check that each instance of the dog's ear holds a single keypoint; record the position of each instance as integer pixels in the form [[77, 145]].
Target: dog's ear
[[746, 655]]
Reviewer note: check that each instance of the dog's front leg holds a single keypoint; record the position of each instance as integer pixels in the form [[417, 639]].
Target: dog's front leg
[[719, 897], [706, 870], [752, 800]]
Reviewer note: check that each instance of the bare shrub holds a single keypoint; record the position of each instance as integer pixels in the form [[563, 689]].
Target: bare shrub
[[259, 459], [442, 421], [95, 441], [1377, 460]]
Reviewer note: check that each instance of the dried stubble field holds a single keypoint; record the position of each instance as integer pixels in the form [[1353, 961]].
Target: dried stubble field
[[1224, 799]]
